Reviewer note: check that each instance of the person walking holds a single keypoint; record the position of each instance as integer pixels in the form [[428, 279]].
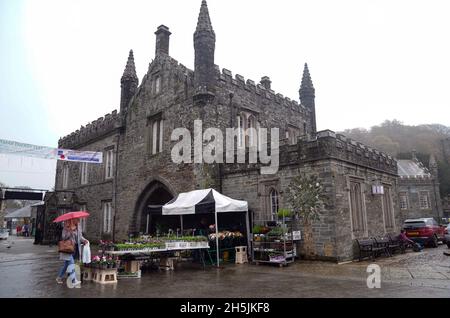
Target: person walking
[[71, 231], [25, 230]]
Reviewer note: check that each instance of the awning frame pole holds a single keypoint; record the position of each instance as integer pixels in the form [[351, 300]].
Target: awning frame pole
[[247, 224], [217, 239]]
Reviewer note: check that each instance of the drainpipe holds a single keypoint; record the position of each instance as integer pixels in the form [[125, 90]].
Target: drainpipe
[[116, 165]]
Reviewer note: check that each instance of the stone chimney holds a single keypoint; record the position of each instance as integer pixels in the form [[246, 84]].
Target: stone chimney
[[162, 40]]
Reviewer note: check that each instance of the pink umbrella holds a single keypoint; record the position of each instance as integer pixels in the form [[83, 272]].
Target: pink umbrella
[[71, 215]]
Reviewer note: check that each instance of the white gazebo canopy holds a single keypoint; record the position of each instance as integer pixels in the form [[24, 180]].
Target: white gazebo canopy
[[206, 201], [203, 201]]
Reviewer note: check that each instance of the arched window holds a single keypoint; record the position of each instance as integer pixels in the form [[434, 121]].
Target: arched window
[[240, 126], [155, 137], [252, 137], [258, 130], [65, 175], [161, 134], [157, 84], [273, 203]]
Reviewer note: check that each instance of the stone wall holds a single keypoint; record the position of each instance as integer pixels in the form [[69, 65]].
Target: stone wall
[[270, 108], [139, 168], [97, 189], [334, 165]]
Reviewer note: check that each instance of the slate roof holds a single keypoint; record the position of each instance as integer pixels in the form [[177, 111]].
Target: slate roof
[[411, 168]]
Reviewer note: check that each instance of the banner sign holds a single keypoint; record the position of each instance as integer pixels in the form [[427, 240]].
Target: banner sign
[[17, 148], [80, 156], [21, 149]]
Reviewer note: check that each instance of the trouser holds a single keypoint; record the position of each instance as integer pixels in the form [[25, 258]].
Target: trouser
[[69, 266]]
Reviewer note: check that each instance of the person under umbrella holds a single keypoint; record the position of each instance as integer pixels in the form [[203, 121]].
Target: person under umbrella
[[71, 231]]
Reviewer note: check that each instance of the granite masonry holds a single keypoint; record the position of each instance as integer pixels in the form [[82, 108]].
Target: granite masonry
[[138, 175], [419, 194]]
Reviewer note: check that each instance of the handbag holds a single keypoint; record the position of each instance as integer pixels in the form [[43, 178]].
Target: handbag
[[66, 246]]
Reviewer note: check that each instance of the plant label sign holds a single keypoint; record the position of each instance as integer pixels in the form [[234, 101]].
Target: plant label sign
[[296, 235]]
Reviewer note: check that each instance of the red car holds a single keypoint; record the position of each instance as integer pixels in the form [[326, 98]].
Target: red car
[[424, 231]]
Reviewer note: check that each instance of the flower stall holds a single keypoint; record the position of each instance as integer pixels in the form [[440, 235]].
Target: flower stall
[[162, 247], [207, 201]]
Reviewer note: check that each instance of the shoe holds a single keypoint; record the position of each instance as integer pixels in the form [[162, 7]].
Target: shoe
[[77, 284], [59, 280]]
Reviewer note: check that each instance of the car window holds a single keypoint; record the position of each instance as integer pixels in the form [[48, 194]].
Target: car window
[[414, 224]]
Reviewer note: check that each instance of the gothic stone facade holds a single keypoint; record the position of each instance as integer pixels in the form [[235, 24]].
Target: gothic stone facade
[[138, 171], [419, 195]]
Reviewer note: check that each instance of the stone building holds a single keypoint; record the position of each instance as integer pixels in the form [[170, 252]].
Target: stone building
[[419, 195], [138, 174]]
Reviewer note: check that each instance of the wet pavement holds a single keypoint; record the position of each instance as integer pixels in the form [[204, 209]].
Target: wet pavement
[[28, 270]]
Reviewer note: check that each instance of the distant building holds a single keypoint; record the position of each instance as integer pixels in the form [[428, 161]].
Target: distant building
[[419, 189]]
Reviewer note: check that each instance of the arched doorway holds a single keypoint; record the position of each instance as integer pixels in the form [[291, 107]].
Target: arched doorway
[[148, 208]]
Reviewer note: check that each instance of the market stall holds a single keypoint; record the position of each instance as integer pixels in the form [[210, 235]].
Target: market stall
[[163, 248], [207, 201]]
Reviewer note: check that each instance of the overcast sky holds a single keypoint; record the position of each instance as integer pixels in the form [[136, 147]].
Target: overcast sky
[[61, 60]]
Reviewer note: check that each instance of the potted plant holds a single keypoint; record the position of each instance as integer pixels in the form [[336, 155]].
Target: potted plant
[[284, 214], [257, 229]]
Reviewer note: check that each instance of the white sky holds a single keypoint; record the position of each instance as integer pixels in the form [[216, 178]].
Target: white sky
[[61, 60]]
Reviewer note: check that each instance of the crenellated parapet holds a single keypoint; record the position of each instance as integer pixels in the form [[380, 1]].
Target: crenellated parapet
[[326, 145], [96, 129], [267, 93]]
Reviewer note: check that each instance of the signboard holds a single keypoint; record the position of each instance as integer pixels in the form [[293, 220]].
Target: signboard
[[21, 149], [10, 147], [80, 156], [23, 195], [296, 235], [377, 189]]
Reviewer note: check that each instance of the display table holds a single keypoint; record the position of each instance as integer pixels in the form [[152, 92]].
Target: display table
[[133, 266]]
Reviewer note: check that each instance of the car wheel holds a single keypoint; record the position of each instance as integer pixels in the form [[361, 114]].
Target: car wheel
[[434, 243]]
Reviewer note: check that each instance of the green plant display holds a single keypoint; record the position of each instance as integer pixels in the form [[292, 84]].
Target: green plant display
[[277, 231], [258, 229], [284, 213], [157, 243]]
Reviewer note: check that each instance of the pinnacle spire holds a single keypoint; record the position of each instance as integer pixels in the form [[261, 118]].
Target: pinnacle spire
[[130, 69], [204, 21], [307, 96], [307, 84]]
